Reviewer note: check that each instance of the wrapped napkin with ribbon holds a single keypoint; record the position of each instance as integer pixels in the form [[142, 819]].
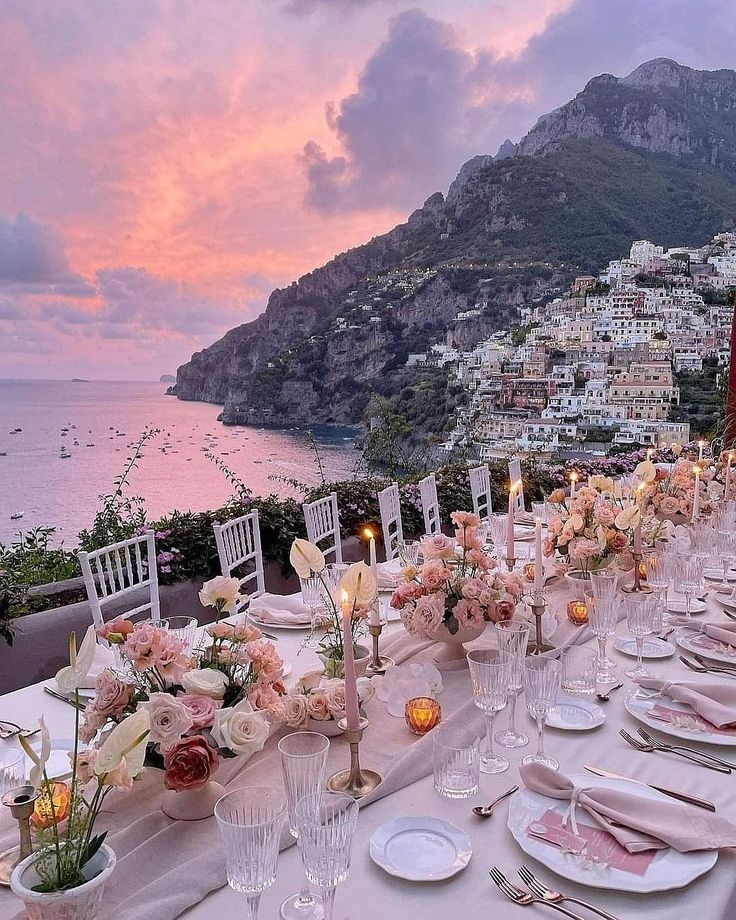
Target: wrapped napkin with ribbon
[[715, 702], [721, 632], [281, 609], [636, 822]]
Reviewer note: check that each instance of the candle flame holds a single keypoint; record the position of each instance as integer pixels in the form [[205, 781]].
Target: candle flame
[[573, 476], [344, 596], [367, 533], [696, 470]]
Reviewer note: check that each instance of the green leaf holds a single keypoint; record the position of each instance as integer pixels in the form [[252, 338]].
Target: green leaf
[[452, 624], [92, 847]]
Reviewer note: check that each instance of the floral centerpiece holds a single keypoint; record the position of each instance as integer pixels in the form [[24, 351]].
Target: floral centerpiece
[[671, 494], [455, 592], [71, 864], [320, 699]]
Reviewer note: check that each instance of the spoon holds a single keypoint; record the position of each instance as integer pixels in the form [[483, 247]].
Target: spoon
[[485, 811], [605, 697]]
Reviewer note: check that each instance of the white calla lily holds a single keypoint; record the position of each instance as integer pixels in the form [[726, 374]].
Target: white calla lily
[[72, 677], [628, 518], [306, 558], [359, 584], [646, 471], [38, 758], [125, 743]]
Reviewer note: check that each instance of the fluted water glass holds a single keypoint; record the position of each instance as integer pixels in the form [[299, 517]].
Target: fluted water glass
[[603, 584], [689, 569], [326, 826], [602, 619], [303, 766], [489, 676], [250, 822], [542, 678], [513, 638], [640, 616]]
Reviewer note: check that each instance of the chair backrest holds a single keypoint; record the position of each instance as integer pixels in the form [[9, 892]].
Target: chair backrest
[[323, 522], [239, 544], [430, 505], [480, 490], [119, 570], [515, 476], [389, 505]]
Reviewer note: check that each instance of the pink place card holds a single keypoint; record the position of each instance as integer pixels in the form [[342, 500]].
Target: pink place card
[[713, 645], [690, 721], [592, 844]]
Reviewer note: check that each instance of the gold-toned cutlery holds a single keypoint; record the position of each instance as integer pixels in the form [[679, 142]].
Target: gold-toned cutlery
[[701, 668], [672, 793], [668, 749], [15, 730], [605, 696], [64, 699], [552, 896], [651, 739], [519, 896], [485, 811]]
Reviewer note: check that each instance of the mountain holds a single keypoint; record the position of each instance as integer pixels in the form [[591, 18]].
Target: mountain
[[651, 155]]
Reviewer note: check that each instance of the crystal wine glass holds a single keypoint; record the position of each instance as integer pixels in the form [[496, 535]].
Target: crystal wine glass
[[409, 552], [250, 822], [690, 574], [497, 524], [326, 825], [640, 620], [727, 552], [602, 618], [312, 594], [489, 675], [303, 765], [604, 585], [513, 638], [542, 678]]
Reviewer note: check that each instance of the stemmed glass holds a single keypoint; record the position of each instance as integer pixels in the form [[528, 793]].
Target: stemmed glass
[[497, 524], [640, 610], [326, 825], [312, 594], [409, 552], [303, 765], [250, 821], [602, 618], [604, 585], [489, 675], [513, 638], [690, 574], [541, 684], [727, 552]]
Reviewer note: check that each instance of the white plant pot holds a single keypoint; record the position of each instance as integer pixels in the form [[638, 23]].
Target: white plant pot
[[362, 657], [327, 727], [192, 804], [450, 649], [82, 903]]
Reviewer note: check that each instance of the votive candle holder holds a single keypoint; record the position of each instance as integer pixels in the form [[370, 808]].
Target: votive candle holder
[[577, 612], [422, 714]]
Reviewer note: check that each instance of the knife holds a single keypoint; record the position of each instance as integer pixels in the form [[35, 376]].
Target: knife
[[681, 796], [64, 699]]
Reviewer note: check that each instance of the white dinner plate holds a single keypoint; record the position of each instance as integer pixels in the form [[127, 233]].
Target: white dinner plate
[[641, 708], [653, 647], [262, 624], [421, 849], [669, 869], [688, 639], [679, 605], [575, 714], [728, 602], [717, 574]]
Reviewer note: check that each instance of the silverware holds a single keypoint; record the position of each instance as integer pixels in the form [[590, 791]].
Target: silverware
[[606, 695], [60, 696], [672, 793], [731, 616], [701, 668], [722, 666], [651, 739], [485, 811], [667, 632], [519, 896], [552, 896], [668, 749], [15, 729]]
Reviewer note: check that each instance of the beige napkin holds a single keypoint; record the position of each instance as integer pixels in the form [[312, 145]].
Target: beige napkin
[[636, 822], [715, 702], [281, 609], [722, 632], [389, 573]]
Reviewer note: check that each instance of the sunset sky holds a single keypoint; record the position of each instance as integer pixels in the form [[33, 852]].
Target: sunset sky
[[164, 164]]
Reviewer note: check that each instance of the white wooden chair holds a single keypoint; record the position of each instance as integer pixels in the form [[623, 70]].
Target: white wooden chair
[[323, 522], [480, 490], [239, 544], [515, 476], [389, 505], [119, 571], [430, 504]]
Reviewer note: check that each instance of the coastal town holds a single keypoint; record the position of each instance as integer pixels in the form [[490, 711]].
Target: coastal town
[[603, 357]]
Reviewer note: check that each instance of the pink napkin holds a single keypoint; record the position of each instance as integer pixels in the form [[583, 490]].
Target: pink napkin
[[281, 609], [715, 702], [722, 632], [637, 823]]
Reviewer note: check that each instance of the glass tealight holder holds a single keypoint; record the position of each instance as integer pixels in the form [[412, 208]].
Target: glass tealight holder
[[422, 714], [577, 612], [529, 571]]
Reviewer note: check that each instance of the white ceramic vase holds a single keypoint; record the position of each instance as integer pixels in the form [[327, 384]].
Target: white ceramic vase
[[192, 804], [450, 648], [82, 903]]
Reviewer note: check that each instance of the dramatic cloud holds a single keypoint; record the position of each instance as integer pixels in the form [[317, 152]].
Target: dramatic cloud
[[30, 251]]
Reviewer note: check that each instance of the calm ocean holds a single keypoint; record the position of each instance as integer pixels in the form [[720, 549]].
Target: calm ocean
[[174, 471]]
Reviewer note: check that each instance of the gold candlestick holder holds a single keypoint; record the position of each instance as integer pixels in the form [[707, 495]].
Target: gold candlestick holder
[[637, 587], [21, 801], [537, 645], [355, 781], [378, 664], [510, 563]]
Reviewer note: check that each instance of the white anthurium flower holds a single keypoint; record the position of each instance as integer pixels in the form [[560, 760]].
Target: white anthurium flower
[[72, 677], [601, 537], [306, 558], [646, 471], [628, 518], [359, 584], [576, 522], [221, 592], [126, 744], [38, 758]]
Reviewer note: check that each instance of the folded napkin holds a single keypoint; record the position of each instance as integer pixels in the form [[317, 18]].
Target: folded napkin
[[715, 702], [636, 822], [722, 632], [104, 658], [389, 573], [281, 609]]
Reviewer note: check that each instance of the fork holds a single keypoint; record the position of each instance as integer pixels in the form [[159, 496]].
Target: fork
[[650, 739], [6, 733], [519, 896], [649, 748], [552, 896], [701, 668], [728, 668]]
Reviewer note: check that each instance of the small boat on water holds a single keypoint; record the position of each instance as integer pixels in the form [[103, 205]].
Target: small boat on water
[[16, 431], [16, 515], [3, 453]]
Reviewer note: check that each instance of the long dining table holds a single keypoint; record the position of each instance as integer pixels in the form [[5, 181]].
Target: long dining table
[[370, 892]]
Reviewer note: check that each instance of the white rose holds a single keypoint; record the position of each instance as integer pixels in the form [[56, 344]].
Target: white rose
[[205, 682], [220, 592], [240, 728], [295, 710]]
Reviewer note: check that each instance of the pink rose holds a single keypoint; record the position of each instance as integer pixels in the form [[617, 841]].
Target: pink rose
[[462, 519], [468, 613], [406, 591], [170, 719], [581, 549], [335, 693], [480, 560], [434, 574], [557, 497], [201, 708], [428, 615], [438, 547], [112, 695], [264, 657], [295, 710], [221, 631], [468, 538], [317, 705], [472, 588], [605, 514], [617, 542], [669, 505], [190, 763], [245, 632], [263, 696], [504, 611]]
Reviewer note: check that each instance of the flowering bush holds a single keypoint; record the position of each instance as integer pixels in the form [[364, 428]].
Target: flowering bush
[[451, 590]]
